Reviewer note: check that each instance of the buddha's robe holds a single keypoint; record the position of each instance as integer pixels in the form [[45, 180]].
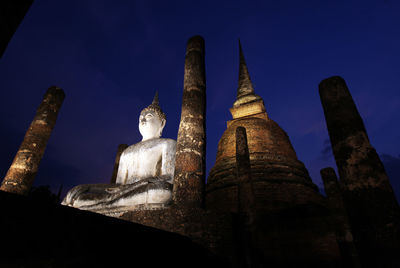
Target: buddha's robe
[[145, 177]]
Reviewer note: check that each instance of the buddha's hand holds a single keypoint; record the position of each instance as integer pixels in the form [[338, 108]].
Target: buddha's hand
[[112, 190], [166, 178], [74, 194]]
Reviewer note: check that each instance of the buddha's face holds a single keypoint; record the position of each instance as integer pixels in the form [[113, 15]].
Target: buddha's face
[[150, 125]]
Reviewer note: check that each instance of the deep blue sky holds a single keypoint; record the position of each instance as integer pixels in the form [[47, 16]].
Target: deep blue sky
[[111, 56]]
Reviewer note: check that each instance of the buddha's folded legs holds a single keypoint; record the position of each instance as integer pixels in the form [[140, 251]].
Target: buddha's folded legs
[[153, 190]]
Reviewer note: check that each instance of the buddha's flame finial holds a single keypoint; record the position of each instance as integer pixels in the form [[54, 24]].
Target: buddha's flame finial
[[155, 99], [155, 106]]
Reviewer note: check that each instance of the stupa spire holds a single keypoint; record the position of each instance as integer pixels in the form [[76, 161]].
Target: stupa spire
[[245, 86], [245, 91]]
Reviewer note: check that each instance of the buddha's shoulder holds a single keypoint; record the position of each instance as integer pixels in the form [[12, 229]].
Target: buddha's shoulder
[[168, 141], [157, 142], [148, 144]]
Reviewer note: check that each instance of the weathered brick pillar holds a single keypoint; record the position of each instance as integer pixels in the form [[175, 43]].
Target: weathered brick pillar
[[244, 222], [373, 211], [245, 187], [339, 221], [20, 176], [121, 148], [189, 179]]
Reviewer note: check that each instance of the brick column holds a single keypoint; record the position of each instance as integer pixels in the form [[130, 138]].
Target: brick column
[[189, 177], [20, 176], [243, 168], [373, 211], [340, 221], [245, 231]]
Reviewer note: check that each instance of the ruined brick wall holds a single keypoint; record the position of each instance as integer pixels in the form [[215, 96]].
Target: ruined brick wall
[[209, 229], [291, 219], [280, 180]]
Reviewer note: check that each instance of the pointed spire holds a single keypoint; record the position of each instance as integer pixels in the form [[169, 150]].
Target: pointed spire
[[155, 99], [155, 106], [245, 91], [245, 86]]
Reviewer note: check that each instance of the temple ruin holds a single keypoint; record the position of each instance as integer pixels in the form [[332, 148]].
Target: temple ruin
[[260, 207]]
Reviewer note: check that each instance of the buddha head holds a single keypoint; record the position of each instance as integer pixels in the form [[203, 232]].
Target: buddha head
[[152, 120]]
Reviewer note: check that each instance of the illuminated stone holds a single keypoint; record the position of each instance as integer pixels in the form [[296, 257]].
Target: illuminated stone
[[245, 92], [190, 149], [243, 169], [20, 176], [121, 148], [274, 186], [145, 173], [279, 179]]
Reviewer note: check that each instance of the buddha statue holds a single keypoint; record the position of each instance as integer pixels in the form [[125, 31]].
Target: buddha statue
[[145, 173]]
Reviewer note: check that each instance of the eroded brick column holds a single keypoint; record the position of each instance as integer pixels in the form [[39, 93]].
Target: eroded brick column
[[340, 220], [121, 148], [373, 211], [189, 179], [20, 176], [245, 187], [244, 221]]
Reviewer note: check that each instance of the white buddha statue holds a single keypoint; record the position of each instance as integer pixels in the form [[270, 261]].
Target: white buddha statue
[[145, 174]]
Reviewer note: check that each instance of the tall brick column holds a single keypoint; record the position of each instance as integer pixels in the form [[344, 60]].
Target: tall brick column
[[244, 222], [189, 177], [20, 176], [245, 187], [340, 221], [374, 214]]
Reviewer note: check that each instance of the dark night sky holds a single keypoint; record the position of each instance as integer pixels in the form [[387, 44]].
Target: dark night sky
[[111, 56]]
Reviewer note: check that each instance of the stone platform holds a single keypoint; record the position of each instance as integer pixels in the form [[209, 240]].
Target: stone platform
[[36, 234]]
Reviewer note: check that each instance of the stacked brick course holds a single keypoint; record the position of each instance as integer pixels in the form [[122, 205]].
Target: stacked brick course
[[20, 176]]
